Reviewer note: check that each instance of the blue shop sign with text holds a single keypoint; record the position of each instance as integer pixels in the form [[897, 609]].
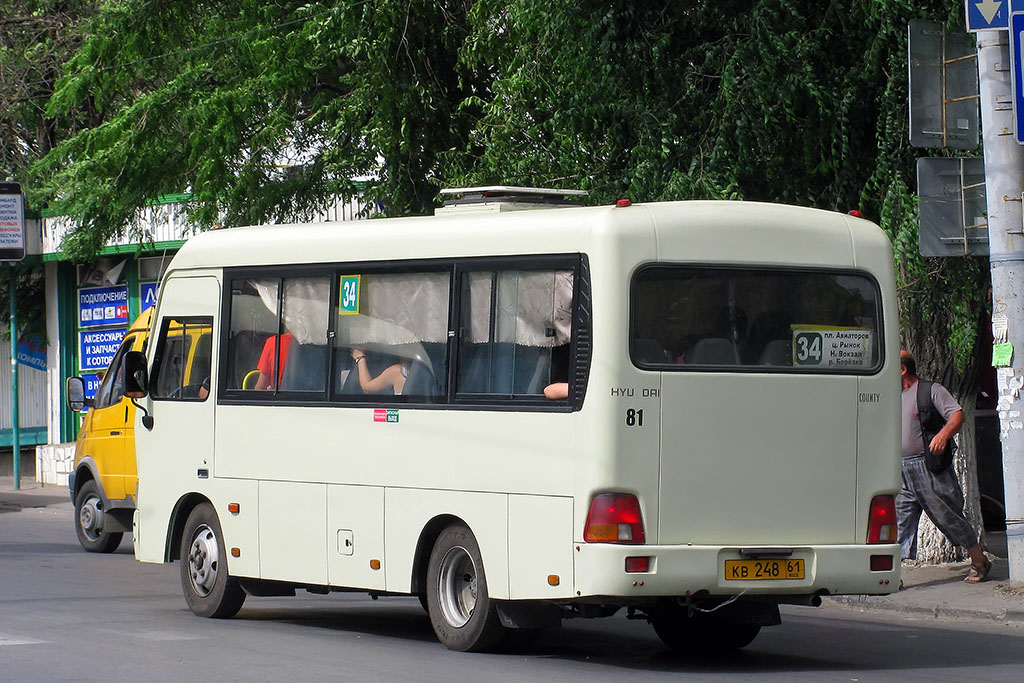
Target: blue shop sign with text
[[103, 306]]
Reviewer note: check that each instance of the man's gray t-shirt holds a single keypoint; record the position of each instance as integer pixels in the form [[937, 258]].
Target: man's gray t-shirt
[[944, 403]]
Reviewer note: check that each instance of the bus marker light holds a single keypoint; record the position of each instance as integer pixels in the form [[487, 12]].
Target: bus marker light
[[553, 580], [374, 564], [638, 564], [233, 508], [623, 202], [236, 552], [881, 563]]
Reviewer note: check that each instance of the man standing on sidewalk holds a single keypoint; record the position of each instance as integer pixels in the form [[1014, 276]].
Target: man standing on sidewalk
[[931, 417]]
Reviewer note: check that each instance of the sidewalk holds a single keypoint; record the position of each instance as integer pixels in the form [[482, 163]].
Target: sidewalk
[[937, 591], [940, 591], [32, 494]]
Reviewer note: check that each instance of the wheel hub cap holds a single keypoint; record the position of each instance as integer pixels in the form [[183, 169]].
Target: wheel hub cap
[[457, 586], [91, 517], [203, 560]]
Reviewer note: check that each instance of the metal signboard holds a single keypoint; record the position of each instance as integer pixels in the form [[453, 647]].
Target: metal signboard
[[148, 292], [99, 306], [944, 91], [96, 348], [1016, 77], [953, 218], [12, 222]]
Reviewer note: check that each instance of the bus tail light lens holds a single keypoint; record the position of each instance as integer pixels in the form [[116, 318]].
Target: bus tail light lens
[[882, 520], [614, 518]]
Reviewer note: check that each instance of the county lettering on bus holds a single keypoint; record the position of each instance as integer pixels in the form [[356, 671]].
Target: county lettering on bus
[[103, 306]]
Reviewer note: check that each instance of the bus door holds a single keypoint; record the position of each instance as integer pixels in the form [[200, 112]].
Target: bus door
[[180, 387]]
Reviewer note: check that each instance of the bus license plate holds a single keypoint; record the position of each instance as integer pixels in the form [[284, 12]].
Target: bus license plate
[[763, 570]]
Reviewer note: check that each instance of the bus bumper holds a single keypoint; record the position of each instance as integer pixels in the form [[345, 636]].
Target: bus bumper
[[685, 570]]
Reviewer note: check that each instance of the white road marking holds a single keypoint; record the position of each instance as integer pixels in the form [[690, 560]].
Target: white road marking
[[15, 640]]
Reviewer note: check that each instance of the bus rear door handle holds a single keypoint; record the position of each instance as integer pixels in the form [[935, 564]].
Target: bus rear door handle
[[114, 432]]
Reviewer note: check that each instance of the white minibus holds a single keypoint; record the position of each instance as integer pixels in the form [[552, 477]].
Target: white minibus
[[522, 413]]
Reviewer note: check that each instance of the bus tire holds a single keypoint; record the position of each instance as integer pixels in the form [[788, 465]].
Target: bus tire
[[89, 521], [463, 616], [697, 635], [209, 590]]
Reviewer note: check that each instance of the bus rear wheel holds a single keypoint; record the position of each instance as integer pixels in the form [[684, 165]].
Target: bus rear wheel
[[209, 590], [463, 616], [89, 521]]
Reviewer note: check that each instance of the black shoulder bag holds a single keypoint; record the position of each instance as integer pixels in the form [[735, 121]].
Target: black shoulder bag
[[931, 423]]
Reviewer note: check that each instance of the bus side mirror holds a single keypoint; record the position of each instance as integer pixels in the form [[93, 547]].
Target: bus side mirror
[[136, 377], [75, 392]]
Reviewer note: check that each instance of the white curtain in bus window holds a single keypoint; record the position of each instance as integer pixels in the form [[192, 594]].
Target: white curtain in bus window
[[768, 318], [305, 311], [253, 331], [519, 328], [394, 320]]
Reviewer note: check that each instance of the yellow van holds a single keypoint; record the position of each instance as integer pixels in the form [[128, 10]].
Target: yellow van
[[104, 480]]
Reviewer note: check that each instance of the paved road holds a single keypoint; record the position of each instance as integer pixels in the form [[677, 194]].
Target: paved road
[[70, 615]]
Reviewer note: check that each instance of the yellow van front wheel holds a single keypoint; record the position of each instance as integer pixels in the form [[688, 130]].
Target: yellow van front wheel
[[89, 514]]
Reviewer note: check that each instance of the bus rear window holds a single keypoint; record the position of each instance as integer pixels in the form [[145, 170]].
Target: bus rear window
[[776, 320]]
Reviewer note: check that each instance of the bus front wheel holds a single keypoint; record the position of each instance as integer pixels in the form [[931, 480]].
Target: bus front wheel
[[463, 616], [89, 521], [209, 590]]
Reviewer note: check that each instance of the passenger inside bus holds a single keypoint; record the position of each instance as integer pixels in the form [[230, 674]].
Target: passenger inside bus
[[266, 362], [392, 377]]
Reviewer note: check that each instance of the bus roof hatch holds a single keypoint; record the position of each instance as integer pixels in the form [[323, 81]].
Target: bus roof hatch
[[496, 198]]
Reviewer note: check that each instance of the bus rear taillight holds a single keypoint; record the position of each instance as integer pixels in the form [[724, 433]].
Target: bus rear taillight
[[614, 518], [882, 520]]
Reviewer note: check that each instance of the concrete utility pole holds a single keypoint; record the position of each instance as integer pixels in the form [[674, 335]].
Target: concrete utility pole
[[1004, 177]]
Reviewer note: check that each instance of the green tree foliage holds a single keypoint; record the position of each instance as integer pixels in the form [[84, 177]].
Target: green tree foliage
[[36, 38], [798, 101], [794, 101], [260, 110]]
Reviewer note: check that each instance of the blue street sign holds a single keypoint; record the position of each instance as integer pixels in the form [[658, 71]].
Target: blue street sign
[[1016, 75], [987, 15], [148, 292]]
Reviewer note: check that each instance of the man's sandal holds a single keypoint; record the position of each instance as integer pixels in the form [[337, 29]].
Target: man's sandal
[[978, 574]]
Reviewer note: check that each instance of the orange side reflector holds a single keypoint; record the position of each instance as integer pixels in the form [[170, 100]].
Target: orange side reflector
[[233, 508], [236, 552], [374, 564], [553, 580]]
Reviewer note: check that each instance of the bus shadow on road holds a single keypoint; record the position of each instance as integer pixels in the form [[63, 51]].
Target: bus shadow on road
[[803, 643]]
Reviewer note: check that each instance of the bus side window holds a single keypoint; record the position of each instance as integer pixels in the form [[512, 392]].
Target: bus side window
[[254, 320], [513, 321], [391, 336]]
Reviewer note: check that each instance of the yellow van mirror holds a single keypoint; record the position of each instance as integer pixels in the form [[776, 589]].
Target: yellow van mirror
[[75, 392]]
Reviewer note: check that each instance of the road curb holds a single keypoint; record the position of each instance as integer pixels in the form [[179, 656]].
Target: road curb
[[943, 610]]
